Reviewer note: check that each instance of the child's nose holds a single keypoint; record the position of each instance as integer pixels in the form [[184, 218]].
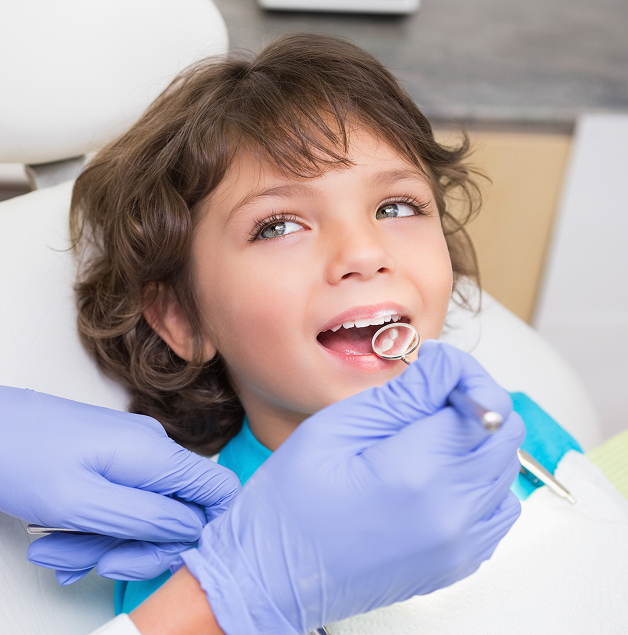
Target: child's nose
[[359, 253]]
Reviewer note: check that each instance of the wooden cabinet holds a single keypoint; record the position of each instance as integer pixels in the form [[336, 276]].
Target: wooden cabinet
[[511, 233]]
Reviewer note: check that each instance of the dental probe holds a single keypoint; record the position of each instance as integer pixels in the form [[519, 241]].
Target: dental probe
[[492, 421], [538, 471], [40, 530]]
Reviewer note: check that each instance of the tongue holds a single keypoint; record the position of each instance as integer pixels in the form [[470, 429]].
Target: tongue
[[354, 341]]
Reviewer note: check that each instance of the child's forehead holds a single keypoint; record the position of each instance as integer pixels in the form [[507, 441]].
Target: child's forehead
[[252, 170]]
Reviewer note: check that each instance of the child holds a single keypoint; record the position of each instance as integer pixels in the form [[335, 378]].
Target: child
[[244, 240]]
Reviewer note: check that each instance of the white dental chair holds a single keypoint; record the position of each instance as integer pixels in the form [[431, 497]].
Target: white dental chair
[[112, 66]]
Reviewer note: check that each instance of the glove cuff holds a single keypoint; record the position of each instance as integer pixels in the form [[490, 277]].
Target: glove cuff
[[238, 600]]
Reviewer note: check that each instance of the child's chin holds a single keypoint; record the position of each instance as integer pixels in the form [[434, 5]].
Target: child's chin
[[354, 377]]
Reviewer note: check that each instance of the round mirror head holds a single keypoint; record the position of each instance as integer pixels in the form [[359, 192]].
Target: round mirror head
[[395, 341]]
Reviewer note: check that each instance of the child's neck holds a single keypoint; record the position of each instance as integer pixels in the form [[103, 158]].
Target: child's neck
[[271, 426]]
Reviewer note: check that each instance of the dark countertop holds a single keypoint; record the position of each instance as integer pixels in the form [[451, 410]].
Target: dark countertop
[[532, 63]]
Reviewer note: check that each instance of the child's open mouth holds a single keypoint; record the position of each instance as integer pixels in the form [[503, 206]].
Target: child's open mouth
[[355, 338]]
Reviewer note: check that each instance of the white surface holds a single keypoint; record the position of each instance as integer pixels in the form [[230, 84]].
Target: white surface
[[560, 570], [75, 74], [12, 174], [122, 625], [354, 6], [32, 603], [40, 347], [583, 307]]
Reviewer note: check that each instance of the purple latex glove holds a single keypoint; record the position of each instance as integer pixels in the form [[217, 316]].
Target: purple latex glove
[[379, 497], [72, 557], [67, 464]]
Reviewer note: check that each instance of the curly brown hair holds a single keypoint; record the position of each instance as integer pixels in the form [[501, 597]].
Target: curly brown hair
[[135, 206]]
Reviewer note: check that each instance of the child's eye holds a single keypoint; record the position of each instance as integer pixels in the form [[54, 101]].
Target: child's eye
[[279, 229], [395, 210], [275, 227]]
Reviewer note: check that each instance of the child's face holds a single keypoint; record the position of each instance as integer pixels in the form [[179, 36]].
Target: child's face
[[281, 261]]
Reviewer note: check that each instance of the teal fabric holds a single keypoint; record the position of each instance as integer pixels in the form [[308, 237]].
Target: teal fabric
[[242, 455], [545, 440]]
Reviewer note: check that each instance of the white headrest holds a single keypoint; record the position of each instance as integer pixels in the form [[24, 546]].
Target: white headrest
[[40, 347], [76, 74]]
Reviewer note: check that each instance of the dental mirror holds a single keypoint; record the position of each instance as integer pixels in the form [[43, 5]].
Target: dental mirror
[[395, 341]]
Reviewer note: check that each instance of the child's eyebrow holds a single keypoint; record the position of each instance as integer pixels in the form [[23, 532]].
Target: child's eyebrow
[[279, 191], [390, 177]]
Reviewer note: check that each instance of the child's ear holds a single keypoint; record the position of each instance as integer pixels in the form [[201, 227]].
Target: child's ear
[[166, 317]]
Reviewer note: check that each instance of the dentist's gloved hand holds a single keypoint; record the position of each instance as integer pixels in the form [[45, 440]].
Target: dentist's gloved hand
[[66, 464], [379, 497], [74, 556]]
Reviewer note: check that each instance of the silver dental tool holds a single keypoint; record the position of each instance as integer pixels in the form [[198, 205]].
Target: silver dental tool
[[528, 464], [397, 340], [39, 530]]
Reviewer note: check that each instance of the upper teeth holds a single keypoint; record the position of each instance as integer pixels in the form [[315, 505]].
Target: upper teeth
[[366, 322]]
